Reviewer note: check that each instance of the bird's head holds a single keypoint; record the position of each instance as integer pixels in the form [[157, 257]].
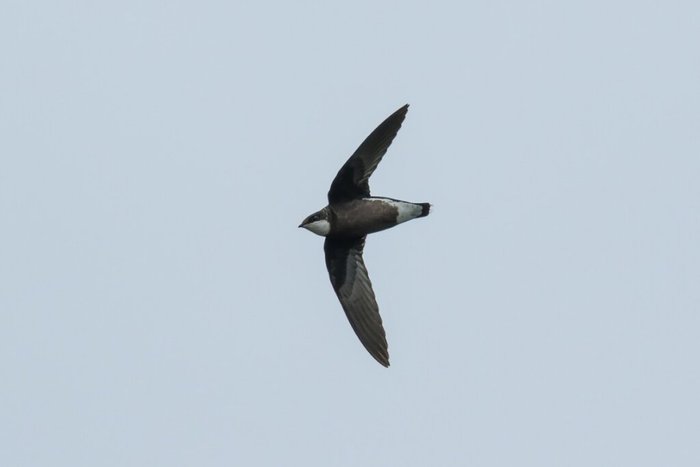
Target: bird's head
[[318, 223]]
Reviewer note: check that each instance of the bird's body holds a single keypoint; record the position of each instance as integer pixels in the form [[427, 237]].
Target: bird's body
[[363, 216], [349, 217]]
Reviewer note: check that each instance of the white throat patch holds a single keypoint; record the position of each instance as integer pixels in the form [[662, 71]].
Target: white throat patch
[[321, 227]]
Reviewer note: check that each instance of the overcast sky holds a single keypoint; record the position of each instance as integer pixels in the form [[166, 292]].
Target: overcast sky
[[160, 307]]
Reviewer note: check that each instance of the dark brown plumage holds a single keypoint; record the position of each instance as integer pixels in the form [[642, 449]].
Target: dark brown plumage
[[352, 180], [351, 283], [351, 214]]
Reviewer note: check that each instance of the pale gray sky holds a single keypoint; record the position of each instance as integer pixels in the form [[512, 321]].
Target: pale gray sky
[[159, 306]]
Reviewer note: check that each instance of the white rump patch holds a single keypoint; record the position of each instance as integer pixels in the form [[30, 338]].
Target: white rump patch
[[406, 211], [321, 227]]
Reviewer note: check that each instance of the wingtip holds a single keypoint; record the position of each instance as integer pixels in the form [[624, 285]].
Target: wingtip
[[381, 357], [401, 110], [382, 361], [399, 114]]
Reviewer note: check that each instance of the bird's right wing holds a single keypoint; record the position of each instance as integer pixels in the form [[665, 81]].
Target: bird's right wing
[[354, 290]]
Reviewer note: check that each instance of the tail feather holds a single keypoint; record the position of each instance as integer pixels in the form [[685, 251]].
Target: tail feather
[[426, 209]]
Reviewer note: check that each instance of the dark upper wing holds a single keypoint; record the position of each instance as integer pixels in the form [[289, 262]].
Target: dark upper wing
[[351, 283], [352, 179]]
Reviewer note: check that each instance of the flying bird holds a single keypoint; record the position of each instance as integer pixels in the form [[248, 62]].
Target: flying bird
[[351, 214]]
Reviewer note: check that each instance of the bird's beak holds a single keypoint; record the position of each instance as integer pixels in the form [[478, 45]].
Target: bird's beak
[[301, 225]]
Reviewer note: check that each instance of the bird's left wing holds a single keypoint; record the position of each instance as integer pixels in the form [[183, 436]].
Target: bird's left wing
[[352, 180]]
